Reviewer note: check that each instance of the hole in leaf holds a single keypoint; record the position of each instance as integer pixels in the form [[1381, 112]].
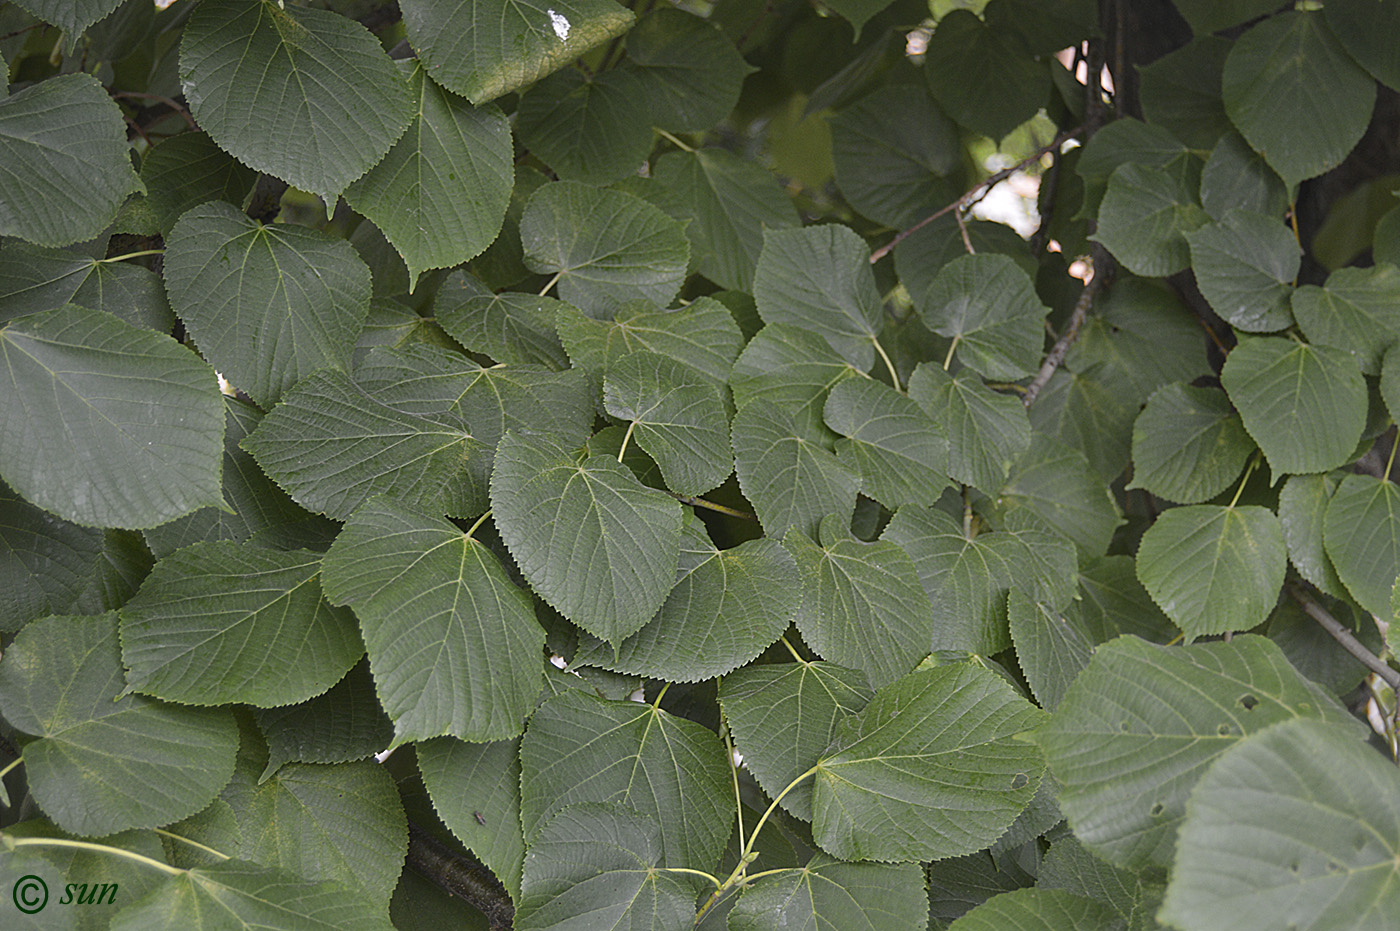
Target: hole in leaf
[[1157, 809], [1223, 730], [1020, 781], [1333, 867], [1248, 702], [1294, 868]]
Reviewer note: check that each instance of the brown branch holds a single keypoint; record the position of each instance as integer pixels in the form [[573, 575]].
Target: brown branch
[[1344, 637], [173, 105], [460, 876], [977, 192], [1103, 269]]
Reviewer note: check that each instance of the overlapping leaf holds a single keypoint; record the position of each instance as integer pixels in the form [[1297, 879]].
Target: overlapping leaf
[[44, 562], [72, 16], [1245, 264], [453, 642], [1189, 444], [988, 306], [303, 94], [508, 327], [470, 779], [33, 278], [930, 768], [793, 368], [1145, 217], [899, 452], [591, 540], [792, 481], [100, 763], [1302, 508], [1039, 909], [217, 623], [186, 170], [64, 146], [1357, 310], [827, 892], [690, 72], [987, 431], [1362, 534], [1304, 405], [1138, 704], [606, 247], [862, 605], [344, 724], [985, 78], [482, 49], [580, 748], [268, 305], [1054, 486], [702, 334], [591, 129], [440, 194], [93, 408]]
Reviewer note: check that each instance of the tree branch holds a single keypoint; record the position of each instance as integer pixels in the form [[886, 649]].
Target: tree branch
[[1104, 267], [975, 193], [463, 877], [1344, 637]]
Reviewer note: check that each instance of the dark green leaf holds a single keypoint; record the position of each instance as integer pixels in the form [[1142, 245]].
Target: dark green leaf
[[508, 327], [1181, 91], [899, 452], [792, 481], [793, 368], [1245, 264], [33, 278], [1302, 506], [828, 893], [346, 723], [590, 129], [1362, 534], [702, 334], [1039, 909], [44, 562], [1145, 217], [989, 308], [1058, 488], [984, 77], [1357, 310], [987, 432], [186, 170], [1189, 445], [72, 16], [690, 72], [470, 779], [1236, 177], [1052, 646]]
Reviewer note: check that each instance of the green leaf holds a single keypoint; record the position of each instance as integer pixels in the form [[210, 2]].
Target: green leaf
[[783, 717], [931, 768], [690, 72], [1357, 310], [1362, 535], [34, 278], [727, 607], [1295, 95], [440, 194], [595, 865], [1214, 569], [792, 481], [344, 724], [508, 327], [726, 203], [593, 542], [1207, 16], [261, 512], [1145, 217], [1039, 909], [465, 780], [1302, 507], [268, 305], [1052, 646], [1304, 405], [72, 16], [1091, 411], [1361, 27], [332, 447], [247, 895], [1189, 444], [1181, 91], [680, 420], [828, 893], [862, 605], [1058, 488], [922, 255], [1390, 381], [1236, 177], [899, 452], [44, 562], [819, 278], [702, 334], [1112, 602], [187, 170], [1245, 264], [794, 369], [1145, 334], [93, 407], [1295, 826], [593, 129], [987, 431], [893, 151], [303, 94], [342, 822], [1138, 704], [485, 48], [607, 247], [580, 748], [988, 306], [985, 78], [63, 143], [225, 622], [1123, 142], [452, 641], [103, 763]]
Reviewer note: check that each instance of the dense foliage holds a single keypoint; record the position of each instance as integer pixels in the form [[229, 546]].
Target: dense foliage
[[631, 419]]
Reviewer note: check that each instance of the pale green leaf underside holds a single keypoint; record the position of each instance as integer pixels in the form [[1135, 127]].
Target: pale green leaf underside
[[1140, 725], [218, 623], [63, 145], [930, 768], [589, 537], [1296, 827], [103, 764], [107, 424], [482, 49], [580, 748], [306, 95], [452, 641]]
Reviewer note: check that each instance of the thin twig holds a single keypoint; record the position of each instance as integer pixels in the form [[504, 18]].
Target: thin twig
[[1344, 637], [189, 120], [979, 191], [1102, 270], [20, 32]]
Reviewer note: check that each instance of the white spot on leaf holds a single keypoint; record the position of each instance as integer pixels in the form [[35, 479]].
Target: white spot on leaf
[[560, 24]]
